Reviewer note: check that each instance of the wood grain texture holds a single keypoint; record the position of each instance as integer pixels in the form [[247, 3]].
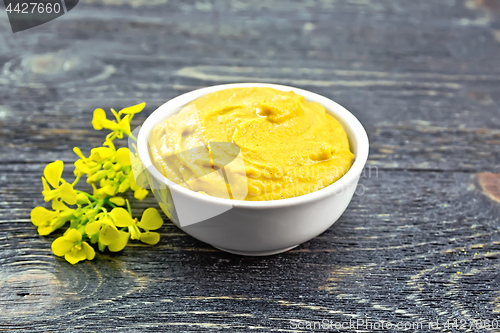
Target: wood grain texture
[[419, 242]]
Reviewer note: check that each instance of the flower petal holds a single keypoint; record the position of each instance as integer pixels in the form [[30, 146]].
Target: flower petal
[[61, 246], [81, 166], [124, 186], [132, 183], [78, 152], [98, 119], [124, 125], [58, 205], [53, 172], [89, 251], [41, 215], [119, 243], [73, 235], [133, 109], [82, 199], [108, 235], [45, 230], [151, 219], [67, 193], [141, 194], [150, 238], [100, 153], [75, 256], [46, 187], [121, 217], [119, 201], [123, 156], [93, 228], [50, 195]]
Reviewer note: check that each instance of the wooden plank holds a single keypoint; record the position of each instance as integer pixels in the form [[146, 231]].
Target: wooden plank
[[422, 242], [419, 243]]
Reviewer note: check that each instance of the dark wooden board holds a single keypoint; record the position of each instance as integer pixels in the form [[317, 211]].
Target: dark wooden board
[[419, 242]]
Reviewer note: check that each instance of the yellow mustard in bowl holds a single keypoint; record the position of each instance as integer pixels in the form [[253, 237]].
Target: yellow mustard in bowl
[[251, 144]]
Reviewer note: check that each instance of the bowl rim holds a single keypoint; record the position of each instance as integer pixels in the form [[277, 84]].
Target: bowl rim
[[339, 112]]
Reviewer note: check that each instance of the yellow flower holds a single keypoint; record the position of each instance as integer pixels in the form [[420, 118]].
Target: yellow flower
[[139, 192], [99, 121], [52, 174], [84, 165], [100, 154], [151, 220], [121, 126], [47, 220], [44, 219], [106, 227], [123, 156], [70, 246], [105, 191]]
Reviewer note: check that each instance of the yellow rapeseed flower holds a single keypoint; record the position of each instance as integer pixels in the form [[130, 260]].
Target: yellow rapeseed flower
[[71, 246], [109, 171], [52, 175]]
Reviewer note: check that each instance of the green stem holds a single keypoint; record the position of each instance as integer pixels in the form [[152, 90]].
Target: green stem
[[81, 229], [109, 203], [128, 207], [99, 205], [130, 135], [77, 179], [88, 195]]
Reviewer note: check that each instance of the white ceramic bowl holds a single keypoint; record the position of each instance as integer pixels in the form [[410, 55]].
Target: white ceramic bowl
[[255, 227]]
